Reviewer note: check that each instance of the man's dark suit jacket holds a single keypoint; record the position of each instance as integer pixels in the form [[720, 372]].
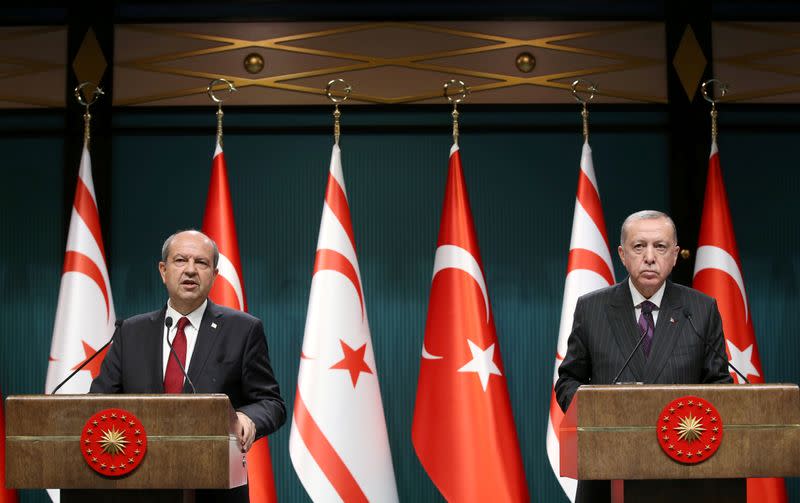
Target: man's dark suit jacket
[[230, 357], [604, 333]]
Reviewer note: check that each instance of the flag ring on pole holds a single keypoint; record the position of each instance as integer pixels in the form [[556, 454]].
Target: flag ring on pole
[[210, 89], [95, 94], [591, 88], [330, 93], [723, 90]]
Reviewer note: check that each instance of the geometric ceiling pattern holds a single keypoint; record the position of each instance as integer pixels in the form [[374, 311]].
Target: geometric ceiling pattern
[[764, 69], [390, 62], [33, 66], [398, 62]]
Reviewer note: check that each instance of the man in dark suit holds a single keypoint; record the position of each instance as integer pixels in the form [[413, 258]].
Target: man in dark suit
[[222, 350], [608, 324]]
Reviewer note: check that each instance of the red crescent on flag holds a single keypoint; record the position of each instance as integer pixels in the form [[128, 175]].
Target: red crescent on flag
[[80, 263], [580, 258], [330, 260]]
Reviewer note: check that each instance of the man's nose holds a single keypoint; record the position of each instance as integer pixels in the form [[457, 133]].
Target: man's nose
[[190, 267], [649, 254]]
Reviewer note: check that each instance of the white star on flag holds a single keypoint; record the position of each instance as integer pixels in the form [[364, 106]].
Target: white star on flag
[[482, 363], [742, 360]]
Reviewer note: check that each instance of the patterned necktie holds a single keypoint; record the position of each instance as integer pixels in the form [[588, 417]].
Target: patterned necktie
[[647, 326], [173, 379]]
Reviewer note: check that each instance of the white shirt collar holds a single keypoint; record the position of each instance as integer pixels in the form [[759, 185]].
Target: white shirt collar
[[195, 317], [638, 298]]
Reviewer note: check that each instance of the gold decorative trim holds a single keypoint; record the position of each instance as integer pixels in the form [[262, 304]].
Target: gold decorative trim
[[748, 59], [170, 63]]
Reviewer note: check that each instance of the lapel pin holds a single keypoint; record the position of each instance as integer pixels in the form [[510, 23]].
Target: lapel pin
[[672, 320], [214, 325]]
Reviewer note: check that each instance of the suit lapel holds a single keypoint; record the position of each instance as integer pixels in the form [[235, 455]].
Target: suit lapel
[[207, 337], [624, 328], [666, 334], [155, 348]]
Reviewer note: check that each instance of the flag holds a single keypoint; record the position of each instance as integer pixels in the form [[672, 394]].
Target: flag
[[589, 268], [463, 430], [338, 442], [85, 314], [718, 273], [6, 495], [228, 290]]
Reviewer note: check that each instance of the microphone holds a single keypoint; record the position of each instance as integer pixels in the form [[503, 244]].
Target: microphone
[[117, 324], [641, 339], [168, 324], [688, 316]]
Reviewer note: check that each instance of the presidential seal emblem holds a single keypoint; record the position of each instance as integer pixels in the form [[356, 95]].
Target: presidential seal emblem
[[689, 430], [113, 442]]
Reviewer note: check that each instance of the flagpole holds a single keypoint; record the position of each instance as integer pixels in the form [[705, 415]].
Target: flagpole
[[87, 116], [590, 88], [455, 99], [336, 99], [210, 90], [709, 97]]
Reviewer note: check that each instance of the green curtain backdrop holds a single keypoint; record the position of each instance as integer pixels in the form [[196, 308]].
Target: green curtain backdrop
[[521, 169]]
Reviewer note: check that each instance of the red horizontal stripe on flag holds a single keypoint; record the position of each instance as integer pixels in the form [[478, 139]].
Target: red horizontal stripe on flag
[[87, 209], [325, 455], [590, 200], [337, 202]]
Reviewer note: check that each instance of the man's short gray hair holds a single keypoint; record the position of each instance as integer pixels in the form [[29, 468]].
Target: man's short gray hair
[[169, 240], [646, 215]]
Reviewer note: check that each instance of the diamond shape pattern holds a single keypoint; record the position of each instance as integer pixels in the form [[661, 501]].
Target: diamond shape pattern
[[89, 63], [689, 62]]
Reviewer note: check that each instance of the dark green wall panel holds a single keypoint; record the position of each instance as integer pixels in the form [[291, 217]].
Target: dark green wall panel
[[522, 183]]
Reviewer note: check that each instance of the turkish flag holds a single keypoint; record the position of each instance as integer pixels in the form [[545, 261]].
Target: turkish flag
[[589, 268], [228, 290], [6, 495], [338, 443], [463, 429], [718, 273], [85, 314]]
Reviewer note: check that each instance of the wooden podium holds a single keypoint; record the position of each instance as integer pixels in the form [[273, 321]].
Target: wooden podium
[[190, 443], [610, 433]]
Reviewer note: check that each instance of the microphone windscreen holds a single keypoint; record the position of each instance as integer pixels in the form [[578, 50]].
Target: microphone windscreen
[[168, 321]]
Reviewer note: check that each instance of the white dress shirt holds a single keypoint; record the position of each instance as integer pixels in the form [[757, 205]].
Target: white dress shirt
[[638, 298], [195, 317]]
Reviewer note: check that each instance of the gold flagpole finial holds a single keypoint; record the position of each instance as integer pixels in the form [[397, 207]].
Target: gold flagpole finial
[[455, 99], [591, 89], [708, 95], [210, 90], [335, 98], [87, 117]]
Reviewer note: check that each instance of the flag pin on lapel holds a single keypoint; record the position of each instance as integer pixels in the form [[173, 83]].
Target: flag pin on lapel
[[213, 325], [671, 320]]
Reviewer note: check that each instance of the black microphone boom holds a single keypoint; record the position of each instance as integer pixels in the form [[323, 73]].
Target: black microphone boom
[[118, 323], [688, 316], [641, 339], [168, 324]]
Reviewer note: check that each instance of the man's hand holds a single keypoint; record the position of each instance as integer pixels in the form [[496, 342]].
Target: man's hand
[[245, 431]]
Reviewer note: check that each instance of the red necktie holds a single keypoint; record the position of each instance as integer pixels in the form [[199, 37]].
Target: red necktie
[[173, 379]]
